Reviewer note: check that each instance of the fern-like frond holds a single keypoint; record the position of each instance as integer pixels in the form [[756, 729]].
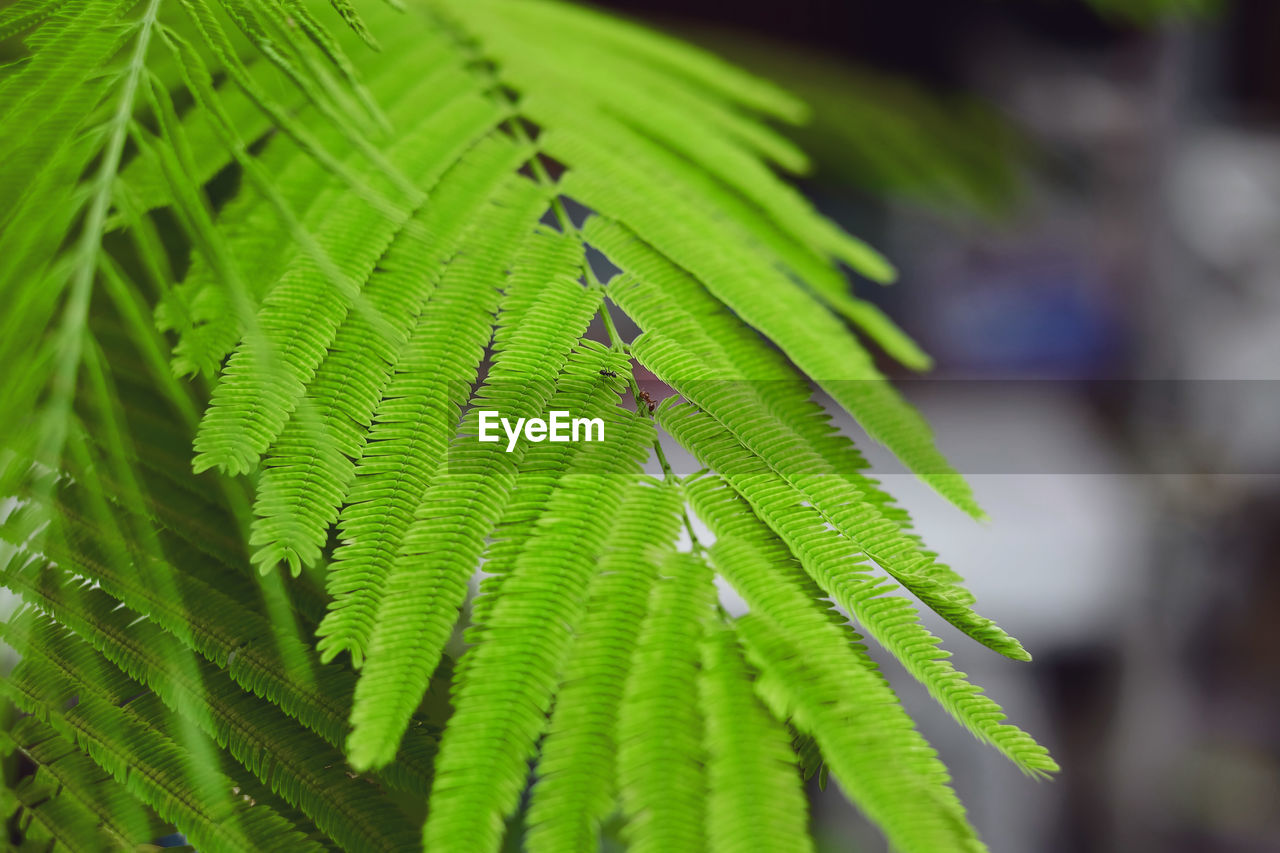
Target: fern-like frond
[[507, 680], [583, 387], [725, 369], [718, 163], [440, 553], [658, 295], [696, 69], [22, 15], [415, 419], [208, 154], [761, 567], [308, 81], [612, 170], [125, 735], [201, 308], [754, 800], [260, 387], [41, 125], [310, 467], [456, 507], [574, 791], [266, 263], [661, 777], [772, 470], [218, 626], [765, 298], [543, 296], [870, 743], [78, 805], [208, 620], [836, 565], [286, 758]]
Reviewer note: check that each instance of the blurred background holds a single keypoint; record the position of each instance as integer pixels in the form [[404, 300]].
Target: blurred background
[[1084, 202]]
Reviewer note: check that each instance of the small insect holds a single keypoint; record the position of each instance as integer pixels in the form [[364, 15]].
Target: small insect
[[604, 372], [647, 400]]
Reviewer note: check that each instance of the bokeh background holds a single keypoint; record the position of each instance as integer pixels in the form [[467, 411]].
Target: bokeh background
[[1085, 207]]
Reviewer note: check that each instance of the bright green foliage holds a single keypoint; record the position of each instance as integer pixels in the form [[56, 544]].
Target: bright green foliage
[[441, 545], [413, 426], [873, 751], [132, 740], [70, 800], [661, 759], [754, 800], [762, 567], [575, 787], [508, 677], [259, 281]]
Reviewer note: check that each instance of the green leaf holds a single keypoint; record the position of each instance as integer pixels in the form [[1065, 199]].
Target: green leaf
[[406, 445], [574, 792], [661, 777], [260, 282], [768, 300], [79, 805], [761, 567], [875, 753], [125, 736], [755, 800], [506, 682]]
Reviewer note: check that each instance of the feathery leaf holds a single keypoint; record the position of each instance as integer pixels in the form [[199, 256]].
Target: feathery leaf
[[661, 775]]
